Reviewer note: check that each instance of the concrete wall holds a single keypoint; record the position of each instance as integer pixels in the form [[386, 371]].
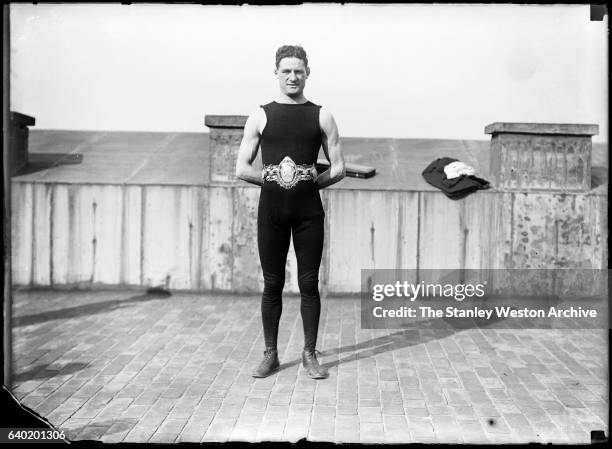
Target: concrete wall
[[542, 213]]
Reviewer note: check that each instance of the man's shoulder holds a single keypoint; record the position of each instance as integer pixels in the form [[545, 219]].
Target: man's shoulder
[[258, 111], [325, 115], [256, 119], [261, 110]]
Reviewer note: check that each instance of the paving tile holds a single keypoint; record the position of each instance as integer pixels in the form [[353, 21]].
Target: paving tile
[[347, 429], [371, 433], [299, 408], [245, 433], [219, 430], [296, 427], [172, 425], [421, 429], [472, 431], [495, 425], [302, 397], [160, 437], [271, 430], [92, 432], [193, 431], [250, 418], [370, 414], [179, 373], [396, 429], [322, 428]]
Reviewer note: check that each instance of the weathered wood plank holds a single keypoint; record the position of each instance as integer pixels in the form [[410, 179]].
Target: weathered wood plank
[[442, 233], [363, 233], [476, 218], [198, 237], [170, 234], [246, 273], [326, 257], [198, 217], [41, 240], [22, 208], [187, 257], [131, 239], [106, 209], [158, 245], [60, 238], [498, 240], [220, 263], [81, 229], [204, 267], [408, 228], [498, 234]]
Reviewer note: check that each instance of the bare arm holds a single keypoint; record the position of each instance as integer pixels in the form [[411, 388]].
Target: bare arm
[[248, 149], [332, 149]]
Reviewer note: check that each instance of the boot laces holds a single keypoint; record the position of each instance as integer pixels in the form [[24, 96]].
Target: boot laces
[[269, 353], [313, 353]]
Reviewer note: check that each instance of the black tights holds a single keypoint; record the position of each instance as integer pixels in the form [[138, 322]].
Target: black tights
[[273, 235]]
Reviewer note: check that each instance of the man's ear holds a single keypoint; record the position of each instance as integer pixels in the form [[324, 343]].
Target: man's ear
[[307, 71], [275, 71]]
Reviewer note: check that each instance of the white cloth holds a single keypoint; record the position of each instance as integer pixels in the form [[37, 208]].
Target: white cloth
[[458, 168]]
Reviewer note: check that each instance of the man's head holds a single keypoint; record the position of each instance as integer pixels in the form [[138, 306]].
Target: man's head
[[292, 69]]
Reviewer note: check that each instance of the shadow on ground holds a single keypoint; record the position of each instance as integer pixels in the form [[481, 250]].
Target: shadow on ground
[[95, 431], [43, 161], [44, 372], [86, 309], [434, 329]]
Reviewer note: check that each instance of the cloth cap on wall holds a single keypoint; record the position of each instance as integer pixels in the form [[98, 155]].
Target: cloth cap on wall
[[454, 188]]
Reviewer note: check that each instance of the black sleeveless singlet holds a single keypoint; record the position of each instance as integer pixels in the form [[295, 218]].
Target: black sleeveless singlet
[[290, 214], [291, 130]]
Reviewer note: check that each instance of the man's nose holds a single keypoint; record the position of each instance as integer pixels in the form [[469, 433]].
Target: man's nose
[[293, 76]]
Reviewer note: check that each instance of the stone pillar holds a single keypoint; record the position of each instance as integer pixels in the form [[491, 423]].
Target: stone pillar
[[546, 216], [18, 140], [226, 133], [541, 156]]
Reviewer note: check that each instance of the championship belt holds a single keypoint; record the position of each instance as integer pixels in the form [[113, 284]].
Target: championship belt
[[287, 174]]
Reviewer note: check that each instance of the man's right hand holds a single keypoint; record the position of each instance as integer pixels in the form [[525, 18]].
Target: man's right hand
[[314, 173]]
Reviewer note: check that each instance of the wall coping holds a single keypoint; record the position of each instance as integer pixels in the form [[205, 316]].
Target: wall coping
[[543, 128], [22, 119], [225, 121]]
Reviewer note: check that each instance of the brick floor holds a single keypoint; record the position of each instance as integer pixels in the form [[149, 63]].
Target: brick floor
[[120, 366]]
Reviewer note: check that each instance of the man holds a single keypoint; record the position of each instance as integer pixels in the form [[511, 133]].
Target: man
[[290, 130]]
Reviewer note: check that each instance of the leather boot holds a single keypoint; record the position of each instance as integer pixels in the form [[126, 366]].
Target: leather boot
[[269, 365], [311, 365]]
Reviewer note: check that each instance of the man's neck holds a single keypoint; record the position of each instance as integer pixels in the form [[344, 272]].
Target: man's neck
[[282, 98]]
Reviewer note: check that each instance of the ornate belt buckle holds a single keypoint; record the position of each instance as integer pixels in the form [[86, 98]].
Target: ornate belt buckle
[[287, 173]]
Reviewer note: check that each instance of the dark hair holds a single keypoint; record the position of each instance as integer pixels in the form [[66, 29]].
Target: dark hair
[[291, 51]]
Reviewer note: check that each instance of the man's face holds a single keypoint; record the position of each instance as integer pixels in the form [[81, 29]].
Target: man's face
[[292, 75]]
